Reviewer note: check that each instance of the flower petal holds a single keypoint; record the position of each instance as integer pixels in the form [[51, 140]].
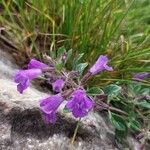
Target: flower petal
[[23, 78], [58, 85], [33, 73], [78, 113], [35, 64], [24, 84], [51, 103], [108, 68], [50, 118], [70, 105], [141, 76], [100, 65], [30, 74], [79, 104], [89, 104]]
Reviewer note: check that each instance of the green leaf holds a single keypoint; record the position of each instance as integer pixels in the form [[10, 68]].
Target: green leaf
[[117, 122], [76, 60], [94, 91], [145, 91], [61, 51], [112, 90], [65, 110], [69, 54], [135, 125], [132, 122], [59, 66], [144, 104], [120, 135], [79, 57], [81, 67], [134, 89]]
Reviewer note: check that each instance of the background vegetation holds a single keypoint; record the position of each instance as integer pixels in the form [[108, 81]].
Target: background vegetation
[[118, 28]]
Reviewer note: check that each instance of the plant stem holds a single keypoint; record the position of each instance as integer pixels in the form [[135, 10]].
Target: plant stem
[[75, 131], [107, 107]]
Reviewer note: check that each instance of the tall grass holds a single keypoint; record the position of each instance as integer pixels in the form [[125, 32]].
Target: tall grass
[[92, 27]]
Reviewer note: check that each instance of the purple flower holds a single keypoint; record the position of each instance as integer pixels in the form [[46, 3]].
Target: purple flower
[[100, 65], [34, 64], [141, 76], [79, 104], [49, 107], [58, 85], [23, 78]]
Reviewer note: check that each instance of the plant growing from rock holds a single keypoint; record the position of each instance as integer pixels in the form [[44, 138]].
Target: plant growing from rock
[[127, 104], [67, 85]]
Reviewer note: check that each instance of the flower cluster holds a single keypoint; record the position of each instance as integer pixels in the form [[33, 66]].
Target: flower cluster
[[78, 102]]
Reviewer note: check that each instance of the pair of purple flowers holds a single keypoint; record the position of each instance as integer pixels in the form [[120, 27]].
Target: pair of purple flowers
[[79, 103], [35, 69]]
